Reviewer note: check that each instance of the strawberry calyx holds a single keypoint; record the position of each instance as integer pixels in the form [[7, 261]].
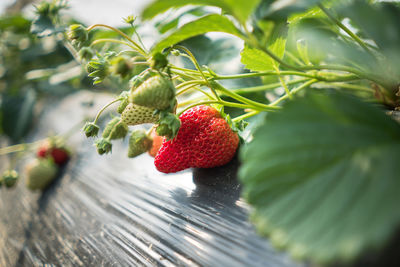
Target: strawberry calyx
[[9, 178], [91, 129], [168, 125], [103, 146]]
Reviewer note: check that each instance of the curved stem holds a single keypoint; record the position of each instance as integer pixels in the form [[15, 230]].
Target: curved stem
[[104, 108], [197, 82], [266, 73], [354, 87], [344, 28], [245, 116], [138, 48], [98, 41], [266, 87], [198, 68], [294, 91], [252, 104]]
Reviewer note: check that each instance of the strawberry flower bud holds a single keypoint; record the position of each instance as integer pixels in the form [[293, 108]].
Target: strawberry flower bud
[[91, 129], [103, 146], [121, 66], [9, 178], [139, 142], [77, 33], [86, 53], [98, 69], [158, 61], [115, 129]]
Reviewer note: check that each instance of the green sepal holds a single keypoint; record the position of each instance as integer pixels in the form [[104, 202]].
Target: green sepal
[[98, 69], [168, 125], [10, 178], [139, 143], [103, 146], [123, 103]]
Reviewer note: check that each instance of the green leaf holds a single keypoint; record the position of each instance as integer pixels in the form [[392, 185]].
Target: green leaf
[[210, 23], [323, 177], [241, 9], [257, 60], [282, 9]]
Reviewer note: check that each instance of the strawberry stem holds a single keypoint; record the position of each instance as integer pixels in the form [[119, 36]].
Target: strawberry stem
[[104, 108], [98, 41], [137, 47]]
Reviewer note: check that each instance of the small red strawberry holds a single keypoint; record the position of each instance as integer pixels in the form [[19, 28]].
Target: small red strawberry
[[59, 154], [204, 140], [157, 141]]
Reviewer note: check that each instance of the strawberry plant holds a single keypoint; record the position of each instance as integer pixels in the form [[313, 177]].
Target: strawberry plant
[[319, 163]]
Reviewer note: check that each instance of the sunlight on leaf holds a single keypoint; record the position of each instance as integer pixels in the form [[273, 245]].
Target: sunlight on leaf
[[210, 23]]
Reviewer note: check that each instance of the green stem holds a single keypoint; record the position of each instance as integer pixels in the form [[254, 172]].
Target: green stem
[[294, 91], [353, 87], [266, 73], [198, 68], [138, 48], [245, 116], [98, 41], [266, 87], [283, 83], [225, 103], [104, 108], [252, 104], [197, 82], [33, 145], [276, 102], [344, 28]]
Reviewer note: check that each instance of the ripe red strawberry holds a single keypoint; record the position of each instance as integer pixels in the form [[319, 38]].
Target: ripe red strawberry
[[157, 141], [59, 155], [204, 140]]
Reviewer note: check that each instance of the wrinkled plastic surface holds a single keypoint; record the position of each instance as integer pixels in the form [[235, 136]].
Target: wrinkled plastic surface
[[115, 211]]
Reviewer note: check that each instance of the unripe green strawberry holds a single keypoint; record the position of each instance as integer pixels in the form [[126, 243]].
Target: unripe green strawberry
[[115, 129], [139, 142], [135, 114], [40, 173], [156, 92], [9, 178]]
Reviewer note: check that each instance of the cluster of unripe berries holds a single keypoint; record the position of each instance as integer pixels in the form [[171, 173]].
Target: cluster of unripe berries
[[43, 169]]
